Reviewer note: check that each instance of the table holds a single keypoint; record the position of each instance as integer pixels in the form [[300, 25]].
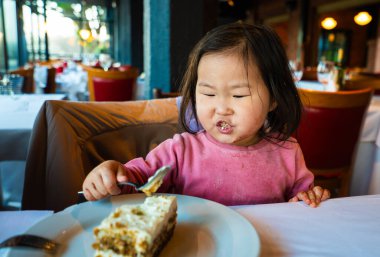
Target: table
[[17, 115], [316, 85], [338, 227], [366, 174]]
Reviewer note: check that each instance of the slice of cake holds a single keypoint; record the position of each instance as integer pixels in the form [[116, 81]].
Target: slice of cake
[[137, 230]]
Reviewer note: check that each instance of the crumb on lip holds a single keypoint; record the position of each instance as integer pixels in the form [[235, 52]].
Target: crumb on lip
[[223, 125]]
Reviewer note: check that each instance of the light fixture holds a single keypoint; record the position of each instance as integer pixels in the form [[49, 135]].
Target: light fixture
[[85, 32], [328, 23], [362, 18]]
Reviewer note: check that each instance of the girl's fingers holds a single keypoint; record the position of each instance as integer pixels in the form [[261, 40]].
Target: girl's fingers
[[294, 199], [110, 183], [325, 195], [312, 198], [304, 197], [88, 195], [93, 190], [121, 174], [318, 191]]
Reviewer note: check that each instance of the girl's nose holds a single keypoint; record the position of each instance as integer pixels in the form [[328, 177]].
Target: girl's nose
[[223, 107]]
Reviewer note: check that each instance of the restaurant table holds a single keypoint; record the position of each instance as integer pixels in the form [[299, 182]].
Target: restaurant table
[[17, 115], [316, 85], [366, 174], [338, 227]]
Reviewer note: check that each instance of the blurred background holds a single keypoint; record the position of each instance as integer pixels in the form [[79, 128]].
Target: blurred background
[[156, 36]]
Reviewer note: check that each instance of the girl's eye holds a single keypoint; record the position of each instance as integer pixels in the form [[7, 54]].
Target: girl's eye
[[240, 96], [209, 94]]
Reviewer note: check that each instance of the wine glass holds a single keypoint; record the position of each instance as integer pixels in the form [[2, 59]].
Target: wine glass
[[105, 61], [325, 71], [297, 69]]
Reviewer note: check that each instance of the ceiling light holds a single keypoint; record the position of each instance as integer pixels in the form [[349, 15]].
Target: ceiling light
[[362, 18], [329, 23], [84, 34]]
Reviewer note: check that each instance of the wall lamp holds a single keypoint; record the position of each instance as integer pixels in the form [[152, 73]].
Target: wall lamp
[[362, 18], [328, 23]]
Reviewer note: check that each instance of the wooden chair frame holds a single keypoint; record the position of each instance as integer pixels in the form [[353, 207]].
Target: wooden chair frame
[[337, 179], [111, 74]]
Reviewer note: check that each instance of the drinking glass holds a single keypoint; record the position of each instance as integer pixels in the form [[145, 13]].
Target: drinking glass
[[105, 61], [325, 70], [297, 69]]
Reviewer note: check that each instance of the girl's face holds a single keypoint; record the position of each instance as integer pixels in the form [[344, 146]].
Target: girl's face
[[231, 102]]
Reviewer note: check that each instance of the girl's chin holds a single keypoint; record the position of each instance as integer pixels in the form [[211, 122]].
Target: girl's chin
[[235, 141]]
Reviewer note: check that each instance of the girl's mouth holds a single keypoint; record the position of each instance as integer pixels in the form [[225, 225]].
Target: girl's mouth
[[224, 127]]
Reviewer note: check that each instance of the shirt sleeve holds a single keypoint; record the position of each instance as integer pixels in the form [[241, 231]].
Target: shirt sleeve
[[166, 153], [304, 178]]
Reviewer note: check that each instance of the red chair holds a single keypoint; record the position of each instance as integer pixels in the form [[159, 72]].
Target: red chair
[[111, 85], [329, 132]]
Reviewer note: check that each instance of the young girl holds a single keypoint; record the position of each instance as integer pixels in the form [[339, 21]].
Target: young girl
[[239, 89]]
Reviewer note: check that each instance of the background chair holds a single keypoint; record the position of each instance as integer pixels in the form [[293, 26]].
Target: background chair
[[112, 85], [157, 93], [28, 75], [70, 138], [360, 82], [310, 73], [329, 132]]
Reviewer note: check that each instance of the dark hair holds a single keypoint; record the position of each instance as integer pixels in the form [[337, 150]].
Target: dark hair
[[255, 43]]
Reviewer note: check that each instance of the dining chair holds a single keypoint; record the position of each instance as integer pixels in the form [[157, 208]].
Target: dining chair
[[28, 75], [157, 93], [329, 132], [87, 134], [310, 73], [112, 85], [363, 82]]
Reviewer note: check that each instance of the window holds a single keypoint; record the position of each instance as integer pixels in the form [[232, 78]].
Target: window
[[67, 29]]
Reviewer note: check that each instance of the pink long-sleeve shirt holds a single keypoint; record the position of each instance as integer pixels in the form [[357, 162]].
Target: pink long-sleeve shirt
[[228, 174]]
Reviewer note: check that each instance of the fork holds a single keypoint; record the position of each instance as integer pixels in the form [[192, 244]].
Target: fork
[[33, 241]]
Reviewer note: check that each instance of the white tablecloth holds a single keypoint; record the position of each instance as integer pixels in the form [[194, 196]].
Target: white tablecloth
[[338, 227], [366, 175], [17, 115], [20, 111], [316, 85]]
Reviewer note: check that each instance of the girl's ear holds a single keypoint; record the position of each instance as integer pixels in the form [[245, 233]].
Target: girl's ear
[[272, 106]]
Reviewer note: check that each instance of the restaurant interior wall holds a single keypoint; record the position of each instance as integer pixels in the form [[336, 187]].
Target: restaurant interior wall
[[298, 24]]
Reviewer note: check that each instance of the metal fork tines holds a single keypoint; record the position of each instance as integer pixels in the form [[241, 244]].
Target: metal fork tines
[[48, 245]]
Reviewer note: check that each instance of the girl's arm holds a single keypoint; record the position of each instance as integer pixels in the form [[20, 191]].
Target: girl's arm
[[304, 189]]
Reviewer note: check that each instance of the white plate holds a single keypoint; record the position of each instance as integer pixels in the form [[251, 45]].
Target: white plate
[[204, 229]]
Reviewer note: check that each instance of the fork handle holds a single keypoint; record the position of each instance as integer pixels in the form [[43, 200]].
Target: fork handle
[[82, 199]]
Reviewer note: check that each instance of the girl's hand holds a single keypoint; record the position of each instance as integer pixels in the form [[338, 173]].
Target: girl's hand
[[102, 180], [313, 197]]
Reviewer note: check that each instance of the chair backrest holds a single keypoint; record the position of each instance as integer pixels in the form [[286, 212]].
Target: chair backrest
[[330, 129], [112, 85], [157, 93], [363, 82], [28, 75], [70, 138], [310, 73]]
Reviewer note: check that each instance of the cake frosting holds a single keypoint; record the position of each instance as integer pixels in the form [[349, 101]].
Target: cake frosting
[[137, 230]]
